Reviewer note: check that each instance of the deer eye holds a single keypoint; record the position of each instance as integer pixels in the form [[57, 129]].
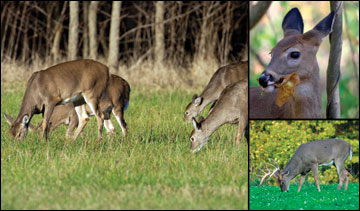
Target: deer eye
[[295, 54], [192, 139], [187, 113]]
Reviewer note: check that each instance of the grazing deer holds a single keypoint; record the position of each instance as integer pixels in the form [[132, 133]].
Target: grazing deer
[[296, 52], [63, 114], [311, 155], [80, 81], [119, 93], [222, 78], [116, 100], [231, 107]]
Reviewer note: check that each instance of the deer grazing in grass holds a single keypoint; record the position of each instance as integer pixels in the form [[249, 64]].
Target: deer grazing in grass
[[79, 82], [223, 77], [308, 157], [296, 52], [231, 107], [116, 100]]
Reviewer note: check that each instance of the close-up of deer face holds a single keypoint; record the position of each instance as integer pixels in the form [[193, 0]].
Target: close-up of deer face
[[284, 181]]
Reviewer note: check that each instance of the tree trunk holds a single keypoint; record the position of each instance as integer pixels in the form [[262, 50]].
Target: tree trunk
[[333, 71], [92, 29], [85, 34], [257, 11], [159, 33], [55, 49], [114, 35], [73, 30]]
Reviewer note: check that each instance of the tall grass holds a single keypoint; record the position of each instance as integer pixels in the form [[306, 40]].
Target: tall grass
[[151, 168]]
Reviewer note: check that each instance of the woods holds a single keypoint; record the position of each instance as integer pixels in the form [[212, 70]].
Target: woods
[[124, 32]]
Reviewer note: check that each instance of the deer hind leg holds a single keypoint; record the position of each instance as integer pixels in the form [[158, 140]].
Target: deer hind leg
[[94, 106], [45, 124], [242, 126], [83, 118], [118, 112], [342, 173], [74, 121], [314, 169]]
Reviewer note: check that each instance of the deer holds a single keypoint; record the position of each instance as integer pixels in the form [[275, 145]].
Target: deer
[[296, 52], [231, 107], [223, 77], [308, 157], [118, 93], [62, 114], [79, 82]]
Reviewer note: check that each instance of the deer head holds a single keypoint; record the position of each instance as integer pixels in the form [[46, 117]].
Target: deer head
[[296, 52], [193, 109], [198, 137], [19, 130]]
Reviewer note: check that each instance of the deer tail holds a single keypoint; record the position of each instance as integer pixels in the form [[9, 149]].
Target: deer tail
[[350, 152]]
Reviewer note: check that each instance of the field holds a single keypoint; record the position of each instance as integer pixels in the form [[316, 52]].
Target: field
[[152, 168], [271, 198]]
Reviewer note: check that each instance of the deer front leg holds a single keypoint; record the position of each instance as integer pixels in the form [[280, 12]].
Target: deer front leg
[[45, 124], [314, 169], [302, 178], [240, 133]]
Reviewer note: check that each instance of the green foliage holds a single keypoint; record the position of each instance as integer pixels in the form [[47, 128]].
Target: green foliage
[[271, 198], [152, 168], [280, 139]]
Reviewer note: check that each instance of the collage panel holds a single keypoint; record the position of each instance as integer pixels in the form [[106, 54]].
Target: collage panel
[[295, 71], [304, 165]]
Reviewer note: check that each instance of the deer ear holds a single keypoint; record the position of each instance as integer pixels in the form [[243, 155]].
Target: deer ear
[[293, 23], [25, 120], [321, 30], [194, 97], [9, 119], [201, 119], [196, 125], [198, 101]]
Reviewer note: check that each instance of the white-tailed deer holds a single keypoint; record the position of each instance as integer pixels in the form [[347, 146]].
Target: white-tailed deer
[[223, 77], [116, 100], [296, 52], [74, 81], [311, 155], [63, 114], [231, 107]]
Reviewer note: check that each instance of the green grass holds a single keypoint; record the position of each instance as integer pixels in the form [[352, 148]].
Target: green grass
[[152, 168], [271, 198]]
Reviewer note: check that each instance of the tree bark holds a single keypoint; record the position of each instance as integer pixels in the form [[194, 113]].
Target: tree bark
[[55, 50], [114, 35], [85, 34], [159, 33], [333, 71], [73, 30], [92, 29], [257, 11]]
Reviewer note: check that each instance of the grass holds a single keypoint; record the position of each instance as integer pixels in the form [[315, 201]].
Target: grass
[[271, 198], [152, 168]]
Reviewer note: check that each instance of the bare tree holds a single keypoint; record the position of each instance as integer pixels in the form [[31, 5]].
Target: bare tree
[[85, 34], [114, 35], [93, 29], [73, 30], [333, 71], [55, 49], [159, 33]]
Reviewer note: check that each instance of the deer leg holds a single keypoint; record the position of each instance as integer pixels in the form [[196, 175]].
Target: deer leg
[[314, 169], [302, 178], [242, 126], [74, 121], [109, 127], [45, 124], [341, 173], [94, 106], [118, 112], [83, 119], [347, 175]]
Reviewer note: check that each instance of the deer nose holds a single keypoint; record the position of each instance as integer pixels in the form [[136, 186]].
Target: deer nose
[[264, 79]]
